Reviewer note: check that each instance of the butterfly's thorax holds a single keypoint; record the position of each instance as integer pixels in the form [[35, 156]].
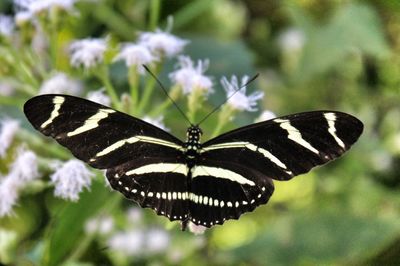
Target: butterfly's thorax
[[192, 145]]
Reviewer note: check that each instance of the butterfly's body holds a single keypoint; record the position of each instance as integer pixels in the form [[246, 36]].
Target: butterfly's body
[[205, 183], [192, 146]]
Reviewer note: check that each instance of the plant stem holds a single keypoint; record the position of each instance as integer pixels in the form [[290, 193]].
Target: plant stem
[[154, 14], [12, 101], [53, 30], [23, 70], [195, 100], [133, 79], [104, 77], [174, 94], [81, 248], [36, 142], [148, 90], [223, 117]]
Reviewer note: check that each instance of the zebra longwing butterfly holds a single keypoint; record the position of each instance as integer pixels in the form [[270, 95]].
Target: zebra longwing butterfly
[[205, 183]]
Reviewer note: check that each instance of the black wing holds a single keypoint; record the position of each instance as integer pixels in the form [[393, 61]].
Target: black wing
[[278, 149], [125, 146]]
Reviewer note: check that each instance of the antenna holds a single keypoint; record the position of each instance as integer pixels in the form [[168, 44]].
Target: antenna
[[227, 99], [166, 93]]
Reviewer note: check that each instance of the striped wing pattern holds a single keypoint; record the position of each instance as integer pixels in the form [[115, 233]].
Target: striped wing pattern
[[284, 147], [233, 173]]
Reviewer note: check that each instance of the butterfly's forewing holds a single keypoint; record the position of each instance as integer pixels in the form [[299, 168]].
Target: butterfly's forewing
[[278, 149], [284, 147], [107, 139]]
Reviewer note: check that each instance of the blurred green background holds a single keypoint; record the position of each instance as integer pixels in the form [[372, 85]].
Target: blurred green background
[[332, 54]]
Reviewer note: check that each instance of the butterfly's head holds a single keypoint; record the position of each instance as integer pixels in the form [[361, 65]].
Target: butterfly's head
[[193, 134]]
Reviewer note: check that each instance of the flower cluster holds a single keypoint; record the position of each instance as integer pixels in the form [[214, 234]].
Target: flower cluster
[[190, 77], [29, 9], [70, 178], [22, 171], [6, 25]]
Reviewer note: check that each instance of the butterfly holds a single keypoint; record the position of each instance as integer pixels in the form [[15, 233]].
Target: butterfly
[[204, 183]]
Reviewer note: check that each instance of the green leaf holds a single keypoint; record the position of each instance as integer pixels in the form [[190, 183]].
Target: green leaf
[[355, 27], [66, 231], [317, 238]]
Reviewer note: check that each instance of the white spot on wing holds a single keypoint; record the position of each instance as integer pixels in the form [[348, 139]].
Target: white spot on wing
[[57, 101], [215, 202], [205, 200]]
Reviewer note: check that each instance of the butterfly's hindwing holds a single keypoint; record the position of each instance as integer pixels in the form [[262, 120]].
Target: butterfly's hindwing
[[223, 190], [157, 183]]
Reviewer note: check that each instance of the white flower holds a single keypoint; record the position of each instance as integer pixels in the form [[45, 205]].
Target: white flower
[[292, 40], [190, 77], [128, 243], [23, 17], [381, 160], [239, 100], [139, 242], [158, 122], [87, 52], [136, 55], [25, 167], [162, 43], [6, 25], [157, 240], [70, 179], [265, 115], [60, 83], [9, 128], [37, 6], [40, 42], [102, 225], [196, 229], [99, 97], [9, 195], [134, 215], [6, 89]]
